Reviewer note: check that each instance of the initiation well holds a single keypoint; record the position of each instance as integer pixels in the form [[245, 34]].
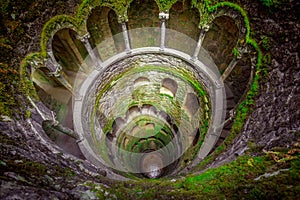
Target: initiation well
[[145, 93]]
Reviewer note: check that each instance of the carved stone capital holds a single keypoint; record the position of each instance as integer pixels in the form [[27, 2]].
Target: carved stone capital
[[164, 15], [122, 18], [84, 37]]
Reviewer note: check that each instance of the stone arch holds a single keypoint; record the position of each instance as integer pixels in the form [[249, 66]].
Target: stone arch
[[98, 25], [182, 14], [132, 111], [169, 85], [141, 15], [49, 90], [183, 26], [116, 31], [240, 78], [191, 104], [70, 53], [220, 41], [117, 124], [140, 81], [84, 10], [52, 27]]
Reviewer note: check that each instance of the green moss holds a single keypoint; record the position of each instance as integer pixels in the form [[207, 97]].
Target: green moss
[[120, 7], [53, 25], [8, 89], [165, 5], [265, 42], [69, 172], [26, 167], [272, 3], [267, 59], [84, 8], [235, 180], [236, 52], [33, 60]]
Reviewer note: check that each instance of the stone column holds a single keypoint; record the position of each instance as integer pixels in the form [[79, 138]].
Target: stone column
[[199, 43], [54, 67], [163, 16], [85, 40], [55, 70], [239, 51], [229, 69], [126, 37]]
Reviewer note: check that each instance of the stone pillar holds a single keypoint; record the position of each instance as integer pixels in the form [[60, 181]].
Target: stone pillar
[[199, 43], [55, 70], [64, 81], [54, 67], [229, 69], [53, 129], [126, 37], [85, 40], [163, 16], [239, 51]]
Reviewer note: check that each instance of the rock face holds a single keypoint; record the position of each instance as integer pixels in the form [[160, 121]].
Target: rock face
[[30, 168]]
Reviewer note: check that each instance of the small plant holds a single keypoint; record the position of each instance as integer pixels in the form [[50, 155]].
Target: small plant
[[267, 58], [236, 52], [265, 42], [270, 3]]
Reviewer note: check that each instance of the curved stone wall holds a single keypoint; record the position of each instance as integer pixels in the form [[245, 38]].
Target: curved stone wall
[[123, 86]]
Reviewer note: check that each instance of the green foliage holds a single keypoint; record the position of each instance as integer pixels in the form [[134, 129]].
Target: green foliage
[[236, 52], [165, 5], [202, 6], [84, 10]]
